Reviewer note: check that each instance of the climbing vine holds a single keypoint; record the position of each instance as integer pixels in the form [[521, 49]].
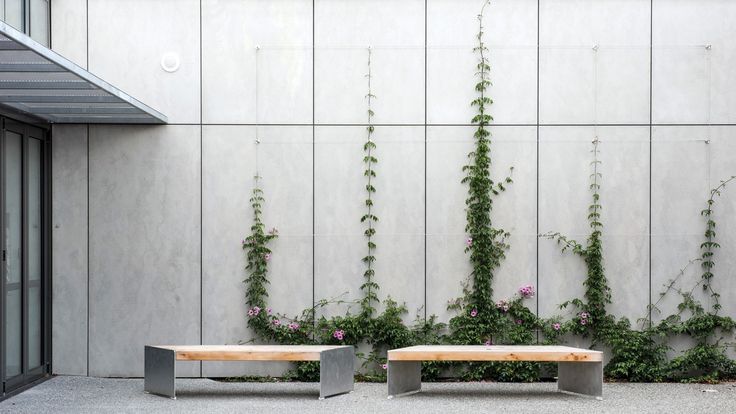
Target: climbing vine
[[486, 244], [480, 320], [258, 255], [636, 354], [592, 310], [641, 355], [369, 286], [709, 244], [707, 359]]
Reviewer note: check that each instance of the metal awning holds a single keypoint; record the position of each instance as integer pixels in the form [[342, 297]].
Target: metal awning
[[37, 81]]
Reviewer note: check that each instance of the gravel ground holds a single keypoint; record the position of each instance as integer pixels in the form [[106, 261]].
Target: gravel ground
[[102, 395]]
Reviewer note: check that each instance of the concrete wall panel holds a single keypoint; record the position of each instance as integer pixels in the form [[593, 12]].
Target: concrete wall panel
[[127, 41], [722, 167], [339, 204], [231, 30], [343, 33], [514, 210], [694, 54], [230, 160], [581, 85], [564, 197], [69, 241], [679, 191], [511, 36], [69, 30], [144, 244], [146, 225]]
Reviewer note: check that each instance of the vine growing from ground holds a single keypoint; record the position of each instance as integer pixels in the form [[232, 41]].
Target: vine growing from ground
[[706, 360], [592, 310], [369, 286], [481, 320], [641, 355], [636, 354], [258, 255], [486, 244]]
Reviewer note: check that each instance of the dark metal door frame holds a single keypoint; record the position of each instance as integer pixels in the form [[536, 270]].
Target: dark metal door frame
[[28, 374]]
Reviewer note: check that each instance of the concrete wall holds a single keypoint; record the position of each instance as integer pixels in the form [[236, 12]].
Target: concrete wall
[[148, 220]]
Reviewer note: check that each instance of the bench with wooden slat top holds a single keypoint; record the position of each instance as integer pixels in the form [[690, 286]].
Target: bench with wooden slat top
[[336, 363], [580, 371]]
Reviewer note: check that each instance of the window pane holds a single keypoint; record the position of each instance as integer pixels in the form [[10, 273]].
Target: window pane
[[34, 253], [11, 12], [40, 21], [13, 273]]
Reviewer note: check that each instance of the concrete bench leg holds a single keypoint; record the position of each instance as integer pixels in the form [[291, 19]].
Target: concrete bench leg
[[336, 371], [584, 378], [404, 377], [159, 371]]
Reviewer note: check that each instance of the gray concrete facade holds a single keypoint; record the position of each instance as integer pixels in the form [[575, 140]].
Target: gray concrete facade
[[147, 221]]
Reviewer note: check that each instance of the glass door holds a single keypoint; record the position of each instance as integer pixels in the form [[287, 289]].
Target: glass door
[[23, 284]]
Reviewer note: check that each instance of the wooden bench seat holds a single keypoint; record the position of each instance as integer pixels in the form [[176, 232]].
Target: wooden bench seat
[[336, 363], [580, 371]]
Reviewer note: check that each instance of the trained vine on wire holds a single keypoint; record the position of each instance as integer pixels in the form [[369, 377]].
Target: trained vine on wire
[[369, 219], [635, 354]]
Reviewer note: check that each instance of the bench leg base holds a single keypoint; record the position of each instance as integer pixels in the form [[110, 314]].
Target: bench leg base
[[583, 378], [159, 371], [404, 377], [336, 372]]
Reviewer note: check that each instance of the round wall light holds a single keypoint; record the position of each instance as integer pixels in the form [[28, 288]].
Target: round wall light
[[170, 62]]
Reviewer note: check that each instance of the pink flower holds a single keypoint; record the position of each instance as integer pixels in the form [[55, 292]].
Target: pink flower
[[250, 312], [503, 305], [267, 256], [273, 231], [277, 322], [256, 310], [556, 326], [488, 342], [583, 321], [268, 311], [384, 366], [474, 313], [339, 334], [584, 315], [526, 291], [518, 321], [469, 241], [293, 326]]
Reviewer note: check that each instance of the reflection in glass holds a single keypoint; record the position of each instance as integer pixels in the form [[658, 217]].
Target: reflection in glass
[[40, 21], [34, 253], [11, 12], [13, 310]]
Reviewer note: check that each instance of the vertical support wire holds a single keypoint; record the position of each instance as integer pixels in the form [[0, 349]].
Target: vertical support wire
[[708, 122], [425, 160], [596, 47], [537, 175], [258, 138], [651, 77]]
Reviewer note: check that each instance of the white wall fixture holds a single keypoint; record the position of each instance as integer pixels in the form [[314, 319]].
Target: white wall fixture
[[170, 62]]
